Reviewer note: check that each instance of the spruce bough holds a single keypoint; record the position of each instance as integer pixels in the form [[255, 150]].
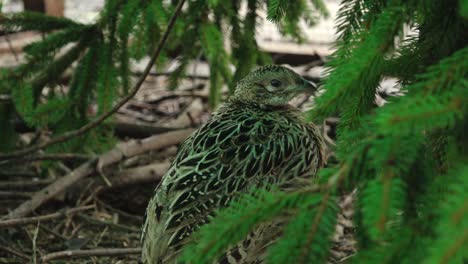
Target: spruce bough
[[407, 159]]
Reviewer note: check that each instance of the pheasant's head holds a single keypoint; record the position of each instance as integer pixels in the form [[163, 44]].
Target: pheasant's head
[[272, 85]]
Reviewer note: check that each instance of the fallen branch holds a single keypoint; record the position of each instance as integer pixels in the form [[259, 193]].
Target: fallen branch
[[121, 151], [53, 189], [42, 218], [12, 194], [90, 253], [150, 173], [136, 147], [14, 252], [92, 220], [71, 134], [55, 156], [23, 185]]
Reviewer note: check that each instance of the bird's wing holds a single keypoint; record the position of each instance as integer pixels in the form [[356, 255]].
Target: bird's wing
[[234, 151]]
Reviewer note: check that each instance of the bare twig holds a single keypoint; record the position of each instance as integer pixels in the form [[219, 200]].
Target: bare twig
[[50, 231], [53, 189], [29, 184], [11, 194], [14, 252], [137, 218], [89, 253], [188, 76], [55, 156], [10, 46], [120, 152], [42, 218], [93, 220], [100, 119], [34, 244]]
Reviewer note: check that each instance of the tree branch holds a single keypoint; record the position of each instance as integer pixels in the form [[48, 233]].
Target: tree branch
[[114, 155], [42, 218], [71, 134], [90, 252]]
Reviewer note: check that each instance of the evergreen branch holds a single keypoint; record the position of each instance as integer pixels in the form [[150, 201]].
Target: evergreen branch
[[127, 23], [348, 20], [110, 13], [276, 9], [52, 42], [361, 73], [35, 21], [381, 201], [213, 46], [452, 228], [71, 134], [245, 53], [84, 77], [50, 112], [463, 10], [27, 95], [57, 67], [436, 100], [234, 223], [321, 7], [326, 220], [107, 83], [302, 241]]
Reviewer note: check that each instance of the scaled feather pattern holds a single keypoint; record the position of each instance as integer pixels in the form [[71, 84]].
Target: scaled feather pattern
[[256, 139]]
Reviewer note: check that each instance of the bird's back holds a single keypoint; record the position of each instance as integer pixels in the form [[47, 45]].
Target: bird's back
[[240, 147]]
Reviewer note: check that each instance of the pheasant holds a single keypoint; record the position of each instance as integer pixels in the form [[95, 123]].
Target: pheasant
[[256, 139]]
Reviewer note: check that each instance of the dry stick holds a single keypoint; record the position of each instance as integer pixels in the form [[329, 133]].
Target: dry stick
[[53, 189], [54, 156], [42, 218], [14, 252], [120, 152], [12, 194], [23, 185], [90, 253], [12, 49], [97, 121]]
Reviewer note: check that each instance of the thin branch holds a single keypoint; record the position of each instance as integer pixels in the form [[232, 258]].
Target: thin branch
[[90, 253], [71, 134], [187, 76], [23, 185], [14, 252], [92, 220], [53, 189], [118, 153], [12, 49], [54, 156], [12, 194], [42, 218]]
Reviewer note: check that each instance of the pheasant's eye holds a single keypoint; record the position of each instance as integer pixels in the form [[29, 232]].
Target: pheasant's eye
[[275, 83]]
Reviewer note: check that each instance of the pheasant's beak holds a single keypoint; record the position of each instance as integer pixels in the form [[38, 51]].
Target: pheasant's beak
[[305, 86]]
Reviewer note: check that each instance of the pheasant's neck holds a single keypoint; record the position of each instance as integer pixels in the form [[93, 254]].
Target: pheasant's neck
[[287, 111]]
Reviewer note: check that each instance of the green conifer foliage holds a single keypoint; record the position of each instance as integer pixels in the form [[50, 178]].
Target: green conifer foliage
[[407, 159]]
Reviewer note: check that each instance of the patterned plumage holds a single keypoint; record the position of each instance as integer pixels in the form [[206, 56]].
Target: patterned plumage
[[255, 139]]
